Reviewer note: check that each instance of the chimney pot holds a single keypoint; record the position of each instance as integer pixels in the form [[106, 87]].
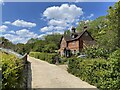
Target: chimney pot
[[73, 29]]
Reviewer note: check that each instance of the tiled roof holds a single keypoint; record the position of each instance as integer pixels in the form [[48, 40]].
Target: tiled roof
[[77, 35]]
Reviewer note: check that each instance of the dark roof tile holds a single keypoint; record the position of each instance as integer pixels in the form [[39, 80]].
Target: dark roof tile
[[69, 38]]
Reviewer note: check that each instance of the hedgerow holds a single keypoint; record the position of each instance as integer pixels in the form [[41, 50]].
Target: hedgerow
[[12, 71], [104, 74], [49, 57]]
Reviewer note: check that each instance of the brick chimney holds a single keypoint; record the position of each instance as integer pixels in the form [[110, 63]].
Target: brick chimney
[[73, 29], [85, 28]]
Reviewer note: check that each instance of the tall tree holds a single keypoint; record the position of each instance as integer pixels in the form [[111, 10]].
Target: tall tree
[[114, 22], [5, 43]]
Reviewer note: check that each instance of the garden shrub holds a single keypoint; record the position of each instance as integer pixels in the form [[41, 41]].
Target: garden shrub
[[95, 52], [49, 57], [64, 60], [104, 74], [115, 68], [12, 71]]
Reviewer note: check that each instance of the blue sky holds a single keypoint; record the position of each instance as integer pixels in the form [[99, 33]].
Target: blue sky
[[22, 21]]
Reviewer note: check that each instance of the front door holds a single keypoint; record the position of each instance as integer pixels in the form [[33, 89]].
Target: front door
[[66, 52]]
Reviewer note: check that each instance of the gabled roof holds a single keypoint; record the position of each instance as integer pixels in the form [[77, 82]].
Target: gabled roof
[[78, 35]]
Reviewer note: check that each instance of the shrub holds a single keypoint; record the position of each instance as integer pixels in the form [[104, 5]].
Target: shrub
[[64, 60], [94, 52], [49, 57], [115, 68], [105, 74], [12, 71]]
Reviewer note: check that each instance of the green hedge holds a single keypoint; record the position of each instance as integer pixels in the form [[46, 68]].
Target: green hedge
[[12, 71], [105, 74], [49, 57]]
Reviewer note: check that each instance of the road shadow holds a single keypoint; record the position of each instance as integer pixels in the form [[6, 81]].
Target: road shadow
[[29, 77]]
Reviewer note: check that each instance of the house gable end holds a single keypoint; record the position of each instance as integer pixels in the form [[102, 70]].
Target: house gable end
[[63, 43], [86, 36]]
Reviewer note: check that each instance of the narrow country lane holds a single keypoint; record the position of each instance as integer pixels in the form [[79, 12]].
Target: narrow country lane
[[45, 75]]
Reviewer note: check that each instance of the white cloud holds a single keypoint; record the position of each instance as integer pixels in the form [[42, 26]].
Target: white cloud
[[13, 32], [41, 36], [57, 22], [64, 12], [45, 29], [60, 32], [48, 33], [7, 22], [77, 23], [26, 33], [61, 17], [3, 28], [58, 28], [9, 36], [22, 23], [20, 36], [20, 40], [53, 29], [15, 38], [91, 15]]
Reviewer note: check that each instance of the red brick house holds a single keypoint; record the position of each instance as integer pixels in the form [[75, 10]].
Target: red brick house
[[75, 42]]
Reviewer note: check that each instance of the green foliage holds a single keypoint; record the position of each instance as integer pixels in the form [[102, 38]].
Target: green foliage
[[95, 27], [49, 57], [115, 68], [12, 71], [105, 29], [95, 52], [50, 43], [81, 26], [50, 48], [102, 73], [64, 60], [37, 46], [6, 43], [19, 48], [114, 22], [67, 32], [53, 39]]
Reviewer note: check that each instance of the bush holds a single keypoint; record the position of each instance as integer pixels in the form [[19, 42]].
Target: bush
[[105, 74], [63, 60], [94, 52], [12, 71], [115, 68], [49, 57]]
